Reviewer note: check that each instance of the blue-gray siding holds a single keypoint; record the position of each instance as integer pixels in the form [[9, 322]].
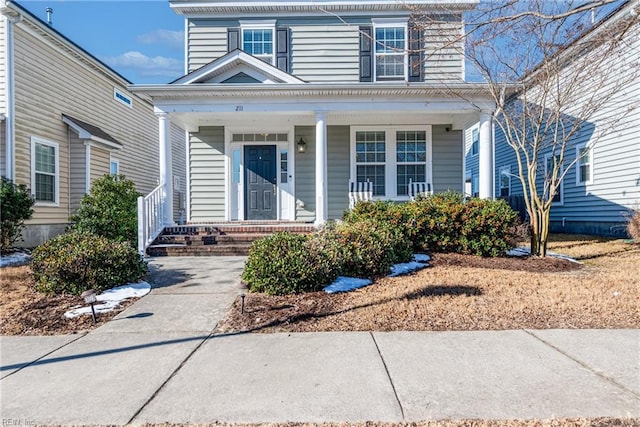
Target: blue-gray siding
[[206, 156], [447, 150]]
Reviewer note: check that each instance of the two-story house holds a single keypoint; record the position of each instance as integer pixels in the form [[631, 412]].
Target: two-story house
[[66, 119], [286, 102]]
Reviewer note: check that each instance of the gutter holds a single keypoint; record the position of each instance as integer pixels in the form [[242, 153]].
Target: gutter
[[11, 17]]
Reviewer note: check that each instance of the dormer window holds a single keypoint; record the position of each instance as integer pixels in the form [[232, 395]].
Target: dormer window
[[390, 50], [258, 39]]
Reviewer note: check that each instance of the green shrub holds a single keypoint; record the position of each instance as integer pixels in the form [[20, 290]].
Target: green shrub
[[445, 223], [74, 262], [393, 214], [364, 248], [16, 204], [109, 210], [488, 227], [285, 263]]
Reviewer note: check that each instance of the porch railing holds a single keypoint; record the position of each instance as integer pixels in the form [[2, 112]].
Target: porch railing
[[151, 217]]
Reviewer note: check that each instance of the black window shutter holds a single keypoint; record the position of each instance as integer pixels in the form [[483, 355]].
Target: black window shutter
[[366, 54], [282, 49], [416, 66], [233, 39]]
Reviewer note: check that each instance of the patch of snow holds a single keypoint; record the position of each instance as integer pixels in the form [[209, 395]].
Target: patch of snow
[[346, 284], [406, 267], [14, 259], [424, 258], [111, 298], [527, 252]]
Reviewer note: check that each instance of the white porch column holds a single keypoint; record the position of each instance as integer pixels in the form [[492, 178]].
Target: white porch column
[[321, 168], [485, 157], [166, 172]]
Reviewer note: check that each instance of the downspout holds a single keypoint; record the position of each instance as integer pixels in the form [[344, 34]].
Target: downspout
[[11, 17]]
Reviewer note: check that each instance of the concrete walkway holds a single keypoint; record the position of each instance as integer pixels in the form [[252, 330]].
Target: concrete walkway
[[158, 362]]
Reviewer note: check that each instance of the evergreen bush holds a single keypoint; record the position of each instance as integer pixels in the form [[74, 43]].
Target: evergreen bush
[[16, 203], [73, 262], [110, 210]]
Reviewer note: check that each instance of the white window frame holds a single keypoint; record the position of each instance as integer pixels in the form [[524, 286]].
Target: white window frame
[[113, 160], [120, 96], [560, 202], [391, 23], [265, 25], [506, 171], [391, 164], [40, 141], [580, 163], [475, 143]]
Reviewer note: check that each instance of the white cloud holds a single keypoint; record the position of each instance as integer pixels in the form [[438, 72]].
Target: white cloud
[[145, 65], [174, 39]]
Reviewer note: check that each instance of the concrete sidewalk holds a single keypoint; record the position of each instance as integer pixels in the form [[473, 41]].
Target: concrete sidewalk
[[158, 362]]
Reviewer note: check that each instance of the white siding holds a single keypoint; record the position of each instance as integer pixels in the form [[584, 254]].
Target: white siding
[[325, 53]]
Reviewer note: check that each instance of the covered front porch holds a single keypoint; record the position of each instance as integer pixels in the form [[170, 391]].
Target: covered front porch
[[288, 153]]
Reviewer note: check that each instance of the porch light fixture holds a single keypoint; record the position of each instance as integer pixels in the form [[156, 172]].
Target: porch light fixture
[[302, 146], [90, 298]]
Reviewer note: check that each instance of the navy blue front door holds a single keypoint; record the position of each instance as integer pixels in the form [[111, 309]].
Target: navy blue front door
[[260, 177]]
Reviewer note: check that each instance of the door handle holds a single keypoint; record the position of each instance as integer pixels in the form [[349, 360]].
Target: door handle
[[274, 189]]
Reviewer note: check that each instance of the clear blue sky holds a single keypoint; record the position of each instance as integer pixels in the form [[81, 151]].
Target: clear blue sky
[[141, 40]]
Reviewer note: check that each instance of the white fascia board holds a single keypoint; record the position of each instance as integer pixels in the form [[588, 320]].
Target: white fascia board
[[83, 134], [194, 8], [240, 57]]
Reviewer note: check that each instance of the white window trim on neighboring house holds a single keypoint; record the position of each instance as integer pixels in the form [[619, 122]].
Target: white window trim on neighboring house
[[112, 161], [56, 189], [560, 192], [475, 141], [264, 25], [391, 163], [391, 23], [580, 163], [505, 171]]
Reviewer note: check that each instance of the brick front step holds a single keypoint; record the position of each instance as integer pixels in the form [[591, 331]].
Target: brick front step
[[208, 250], [231, 238]]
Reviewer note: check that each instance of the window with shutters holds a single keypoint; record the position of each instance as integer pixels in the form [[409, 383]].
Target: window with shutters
[[390, 50], [258, 39]]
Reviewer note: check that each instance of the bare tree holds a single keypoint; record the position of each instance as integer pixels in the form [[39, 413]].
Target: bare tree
[[554, 80]]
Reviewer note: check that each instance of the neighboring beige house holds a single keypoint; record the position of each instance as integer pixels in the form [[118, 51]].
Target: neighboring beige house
[[67, 119]]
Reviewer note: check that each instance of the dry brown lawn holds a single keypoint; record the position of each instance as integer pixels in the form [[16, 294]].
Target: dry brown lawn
[[23, 311], [471, 293]]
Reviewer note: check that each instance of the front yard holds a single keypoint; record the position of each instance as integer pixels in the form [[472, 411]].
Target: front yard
[[461, 292]]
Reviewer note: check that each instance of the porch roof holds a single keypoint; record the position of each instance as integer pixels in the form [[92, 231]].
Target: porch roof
[[461, 90]]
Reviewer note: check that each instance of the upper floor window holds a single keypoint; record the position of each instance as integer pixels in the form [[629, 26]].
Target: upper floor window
[[584, 168], [45, 170], [390, 51], [258, 39]]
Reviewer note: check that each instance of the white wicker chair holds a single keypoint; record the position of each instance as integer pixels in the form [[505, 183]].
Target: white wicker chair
[[419, 188]]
